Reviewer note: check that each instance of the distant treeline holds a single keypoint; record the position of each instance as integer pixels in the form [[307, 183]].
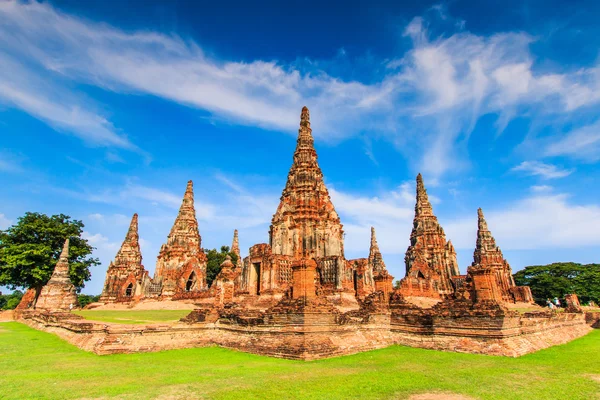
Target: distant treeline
[[558, 279], [11, 301]]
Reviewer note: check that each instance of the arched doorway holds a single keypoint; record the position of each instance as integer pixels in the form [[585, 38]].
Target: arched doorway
[[191, 282], [129, 290]]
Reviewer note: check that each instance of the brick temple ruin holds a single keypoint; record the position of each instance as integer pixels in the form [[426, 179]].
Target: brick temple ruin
[[297, 296]]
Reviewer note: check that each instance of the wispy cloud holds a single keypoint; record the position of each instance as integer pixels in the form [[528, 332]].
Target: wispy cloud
[[427, 102], [582, 143], [10, 162], [538, 168], [541, 188], [52, 103], [544, 221]]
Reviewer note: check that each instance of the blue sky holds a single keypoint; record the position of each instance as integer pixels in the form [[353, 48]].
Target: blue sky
[[107, 110]]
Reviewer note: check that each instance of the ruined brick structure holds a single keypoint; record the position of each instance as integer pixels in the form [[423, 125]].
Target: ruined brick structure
[[181, 264], [490, 276], [298, 297], [224, 285], [126, 273], [430, 260], [59, 293], [305, 225]]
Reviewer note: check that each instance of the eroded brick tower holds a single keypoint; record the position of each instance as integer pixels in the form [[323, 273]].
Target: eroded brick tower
[[304, 226], [490, 275], [306, 221], [181, 264], [430, 259], [125, 274], [59, 293]]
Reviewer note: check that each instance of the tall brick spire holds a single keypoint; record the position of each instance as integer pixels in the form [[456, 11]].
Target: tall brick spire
[[429, 256], [375, 258], [306, 220], [130, 252]]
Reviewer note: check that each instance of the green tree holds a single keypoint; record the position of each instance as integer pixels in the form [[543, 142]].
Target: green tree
[[85, 299], [10, 301], [558, 279], [30, 249], [215, 259]]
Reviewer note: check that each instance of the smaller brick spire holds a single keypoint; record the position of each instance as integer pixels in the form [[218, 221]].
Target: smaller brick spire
[[61, 270], [375, 257], [235, 248], [485, 241], [130, 248]]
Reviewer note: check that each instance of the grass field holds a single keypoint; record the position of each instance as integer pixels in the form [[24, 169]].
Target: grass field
[[133, 316], [35, 364]]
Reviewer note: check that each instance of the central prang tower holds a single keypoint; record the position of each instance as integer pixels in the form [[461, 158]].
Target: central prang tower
[[306, 223]]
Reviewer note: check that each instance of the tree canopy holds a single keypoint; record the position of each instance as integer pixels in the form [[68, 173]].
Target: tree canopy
[[30, 249], [558, 279], [215, 259]]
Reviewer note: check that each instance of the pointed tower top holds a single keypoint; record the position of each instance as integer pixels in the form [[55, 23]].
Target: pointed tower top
[[130, 249], [304, 116], [235, 248], [482, 224], [305, 131], [64, 254], [305, 201], [373, 238], [485, 240], [423, 206], [375, 257], [487, 254], [61, 270], [185, 228]]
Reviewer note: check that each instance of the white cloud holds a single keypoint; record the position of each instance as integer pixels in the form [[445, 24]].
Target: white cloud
[[104, 248], [262, 93], [541, 188], [536, 222], [427, 101], [4, 222], [51, 103], [96, 217], [538, 168], [582, 143]]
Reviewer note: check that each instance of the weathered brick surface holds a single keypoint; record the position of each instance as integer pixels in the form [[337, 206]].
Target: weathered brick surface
[[59, 293], [311, 330], [593, 319], [298, 297], [126, 273], [430, 259], [181, 263], [490, 276]]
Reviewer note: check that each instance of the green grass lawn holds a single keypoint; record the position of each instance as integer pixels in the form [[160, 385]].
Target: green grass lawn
[[133, 316], [35, 364]]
